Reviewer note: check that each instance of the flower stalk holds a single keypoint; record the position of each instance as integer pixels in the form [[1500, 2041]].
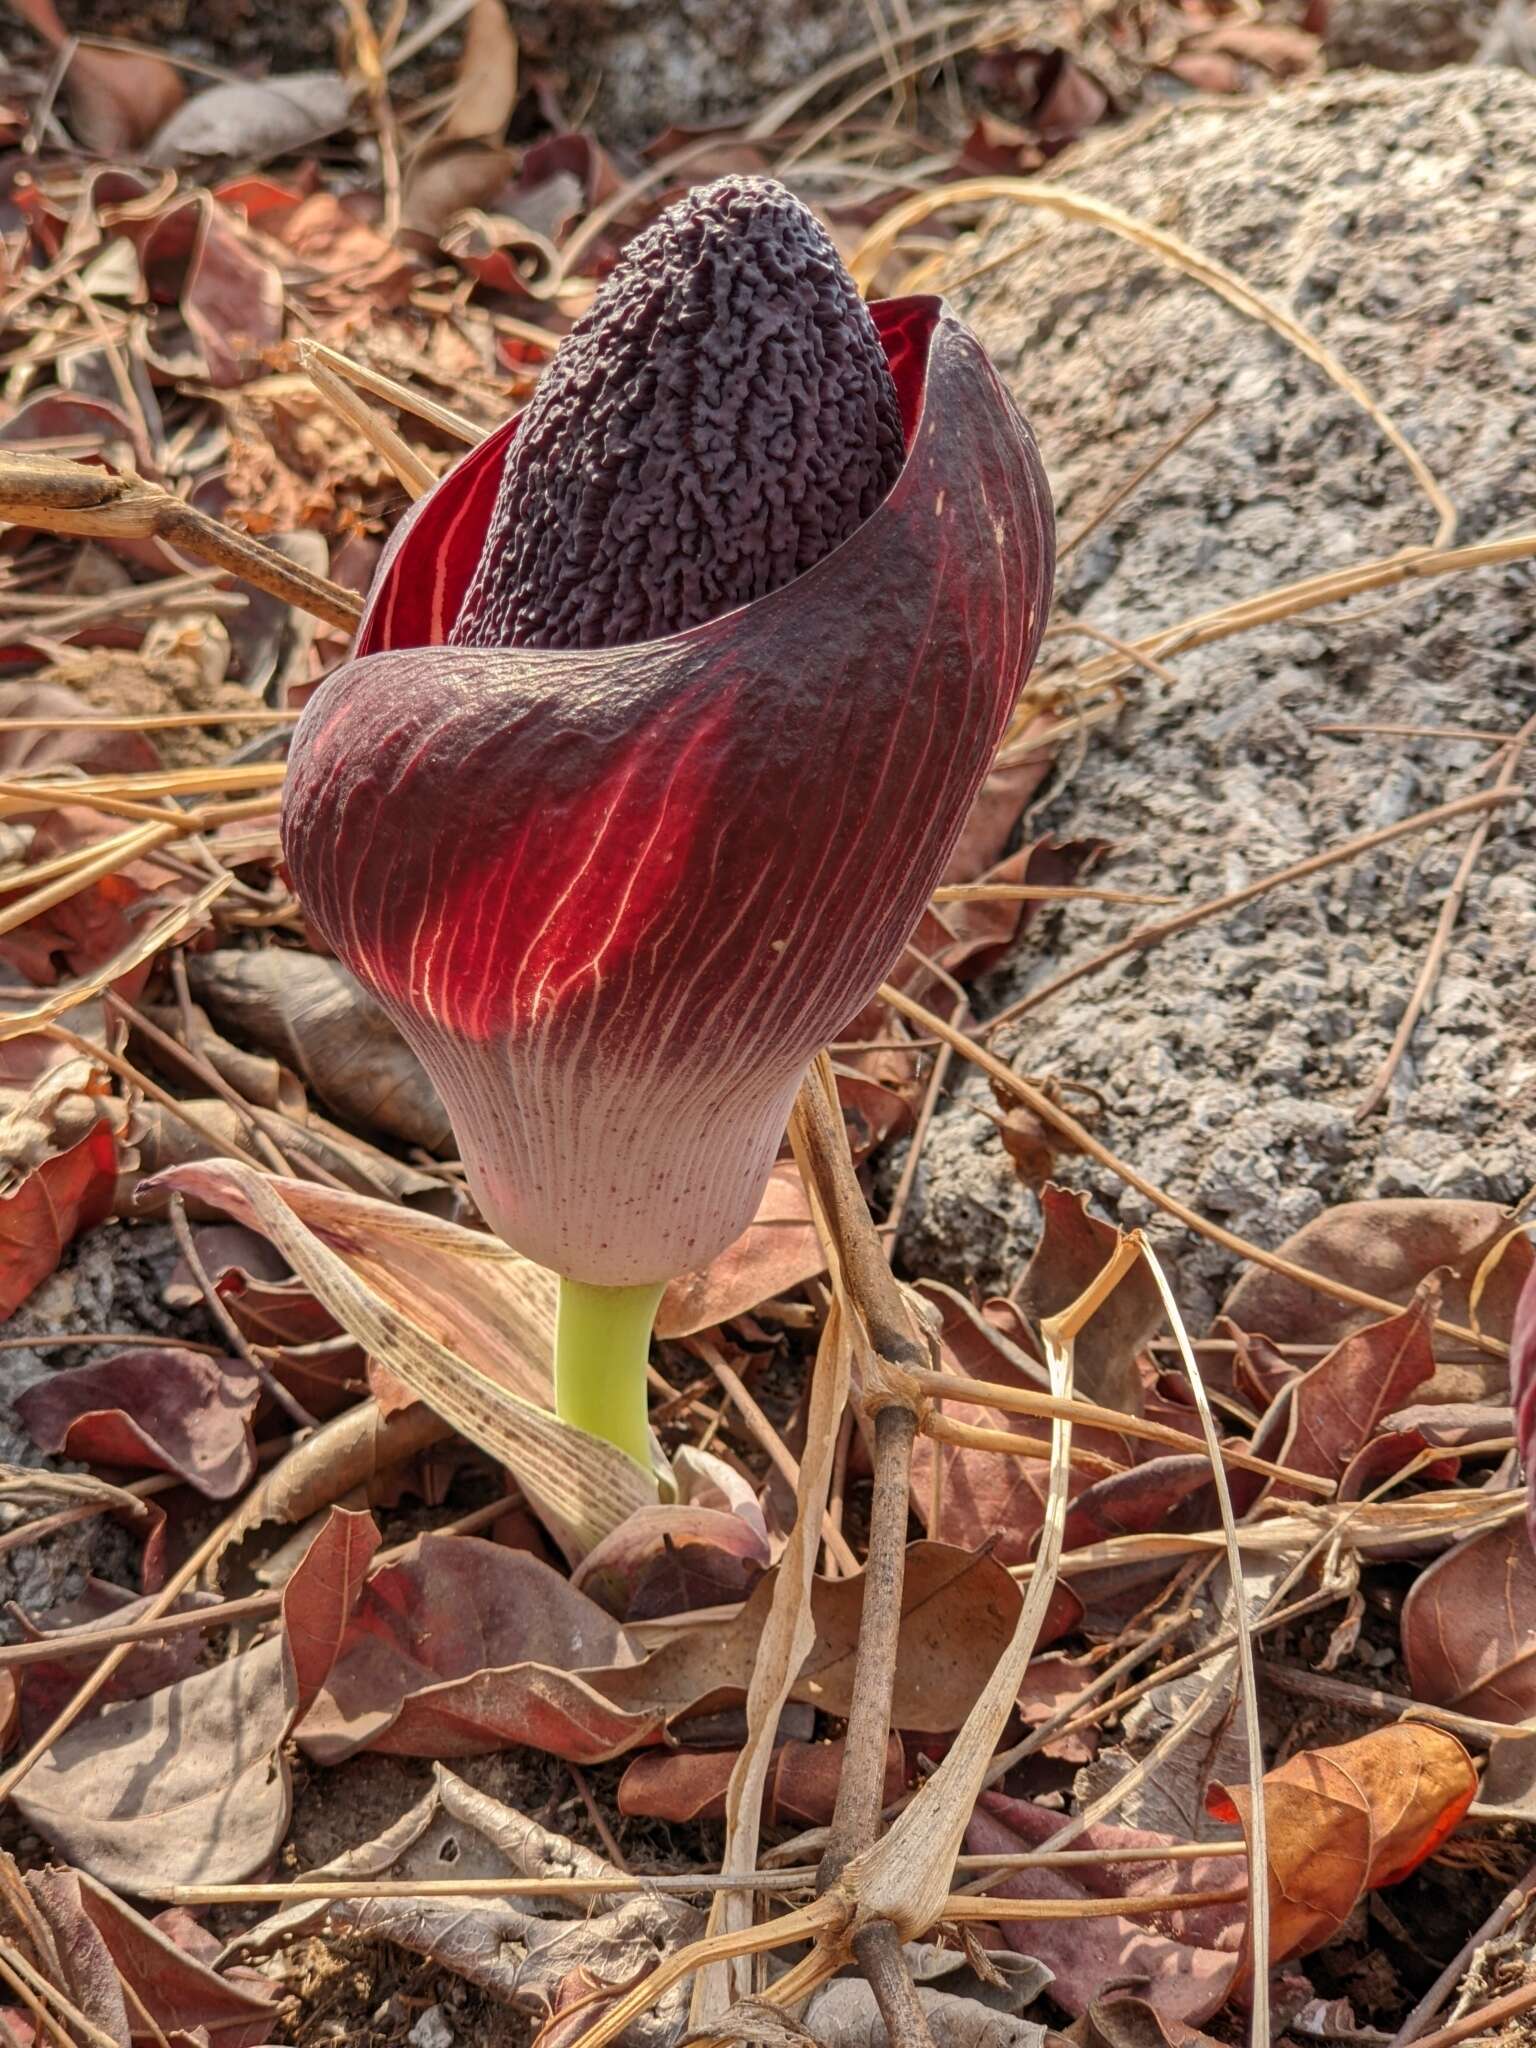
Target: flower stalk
[[602, 1347]]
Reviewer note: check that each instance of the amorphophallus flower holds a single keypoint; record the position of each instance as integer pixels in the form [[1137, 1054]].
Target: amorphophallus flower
[[664, 714]]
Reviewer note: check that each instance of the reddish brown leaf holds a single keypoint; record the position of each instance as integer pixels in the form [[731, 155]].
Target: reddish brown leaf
[[463, 1647], [666, 1560], [1386, 1455], [1387, 1248], [178, 1993], [319, 1598], [776, 1253], [1074, 1247], [1332, 1412], [160, 1411], [231, 298], [1469, 1627], [1344, 1820], [66, 1195], [1173, 1493], [690, 1785], [1185, 1960]]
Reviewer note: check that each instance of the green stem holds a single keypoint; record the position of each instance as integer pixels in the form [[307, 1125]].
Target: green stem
[[602, 1347]]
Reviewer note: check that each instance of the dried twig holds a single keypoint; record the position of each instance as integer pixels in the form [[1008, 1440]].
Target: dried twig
[[1445, 924], [59, 496]]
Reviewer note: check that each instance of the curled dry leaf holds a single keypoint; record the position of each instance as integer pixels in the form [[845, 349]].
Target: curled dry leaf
[[1074, 1248], [801, 1789], [354, 1451], [252, 119], [157, 1410], [464, 1647], [1469, 1627], [1387, 1248], [66, 1195], [523, 1957], [191, 1784], [312, 1015], [1345, 1820], [50, 1095], [457, 1318], [667, 1560]]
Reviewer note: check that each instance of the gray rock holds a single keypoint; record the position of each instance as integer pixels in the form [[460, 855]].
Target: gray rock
[[1398, 218], [652, 63]]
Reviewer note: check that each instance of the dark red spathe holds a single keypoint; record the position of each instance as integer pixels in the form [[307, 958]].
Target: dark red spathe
[[617, 898]]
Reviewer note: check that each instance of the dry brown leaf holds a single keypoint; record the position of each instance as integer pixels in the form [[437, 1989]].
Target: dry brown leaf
[[777, 1252], [1387, 1248], [1074, 1247], [1469, 1627], [312, 1015], [190, 1784], [464, 1323], [1324, 1418]]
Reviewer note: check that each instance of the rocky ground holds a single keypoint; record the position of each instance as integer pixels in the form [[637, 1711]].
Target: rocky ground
[[1395, 217]]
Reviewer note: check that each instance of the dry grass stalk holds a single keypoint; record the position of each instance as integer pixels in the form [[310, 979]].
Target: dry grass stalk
[[59, 496]]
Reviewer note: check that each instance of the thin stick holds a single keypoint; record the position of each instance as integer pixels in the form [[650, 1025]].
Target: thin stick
[[68, 497], [861, 1785], [1137, 656], [294, 1409], [1509, 1908], [1137, 478], [878, 1949], [948, 1386], [1416, 732], [1485, 2020], [315, 354], [770, 1441], [157, 721], [1030, 892], [1257, 1829], [1445, 924], [417, 477], [1049, 1112], [1307, 594], [1147, 935]]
